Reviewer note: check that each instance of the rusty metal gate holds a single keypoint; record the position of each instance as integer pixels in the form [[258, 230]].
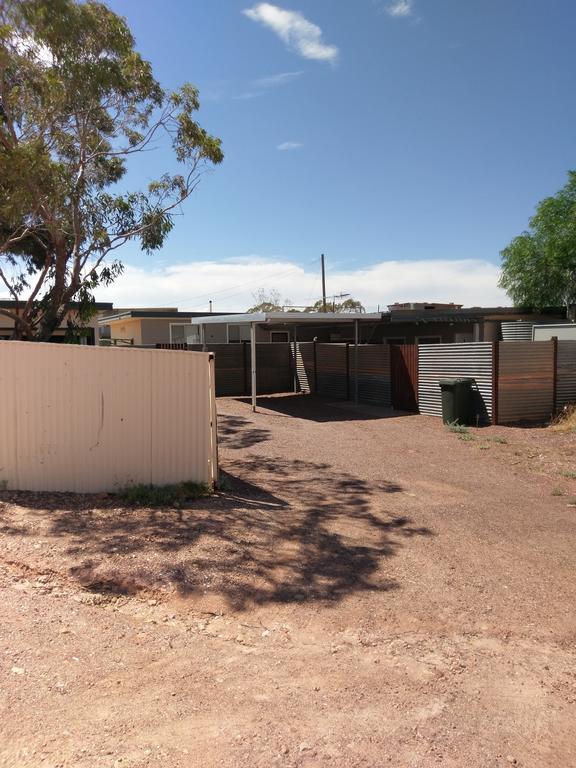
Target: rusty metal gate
[[404, 376]]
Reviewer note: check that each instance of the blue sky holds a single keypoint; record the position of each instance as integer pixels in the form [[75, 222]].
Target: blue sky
[[409, 141]]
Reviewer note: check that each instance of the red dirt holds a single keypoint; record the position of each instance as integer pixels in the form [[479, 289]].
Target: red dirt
[[364, 592]]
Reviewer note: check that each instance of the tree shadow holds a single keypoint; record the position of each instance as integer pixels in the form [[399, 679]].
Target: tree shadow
[[237, 432], [322, 409], [281, 531]]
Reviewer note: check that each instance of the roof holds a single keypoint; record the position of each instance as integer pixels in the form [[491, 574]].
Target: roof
[[100, 305], [153, 314], [464, 314], [289, 318]]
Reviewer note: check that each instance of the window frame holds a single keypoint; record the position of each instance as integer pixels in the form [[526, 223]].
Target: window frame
[[422, 339], [239, 326], [180, 325]]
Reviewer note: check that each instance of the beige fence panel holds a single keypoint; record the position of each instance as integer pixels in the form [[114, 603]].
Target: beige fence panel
[[91, 419]]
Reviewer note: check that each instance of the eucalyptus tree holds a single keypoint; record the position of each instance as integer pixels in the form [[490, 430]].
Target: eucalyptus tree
[[77, 102], [539, 266]]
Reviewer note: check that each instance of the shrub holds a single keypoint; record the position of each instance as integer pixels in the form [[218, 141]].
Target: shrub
[[459, 429], [163, 495]]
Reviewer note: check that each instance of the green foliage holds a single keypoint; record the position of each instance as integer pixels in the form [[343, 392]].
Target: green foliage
[[163, 495], [268, 301], [570, 475], [77, 100], [539, 266], [498, 439], [557, 492], [347, 306], [457, 428]]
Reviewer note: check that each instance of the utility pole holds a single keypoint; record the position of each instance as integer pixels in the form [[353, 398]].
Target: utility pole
[[323, 284], [210, 306]]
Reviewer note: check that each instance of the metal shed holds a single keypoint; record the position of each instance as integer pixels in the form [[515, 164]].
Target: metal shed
[[290, 321]]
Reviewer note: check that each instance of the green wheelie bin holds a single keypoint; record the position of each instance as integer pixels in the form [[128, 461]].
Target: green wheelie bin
[[457, 405]]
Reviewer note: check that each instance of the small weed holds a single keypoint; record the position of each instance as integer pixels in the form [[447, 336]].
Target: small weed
[[557, 492], [565, 421], [163, 495], [571, 475], [484, 447], [498, 439], [458, 429], [466, 436]]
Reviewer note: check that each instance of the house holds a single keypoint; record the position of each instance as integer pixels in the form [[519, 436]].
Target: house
[[151, 326], [91, 335], [432, 323], [410, 323]]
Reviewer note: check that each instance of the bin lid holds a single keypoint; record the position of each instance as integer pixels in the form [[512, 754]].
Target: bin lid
[[455, 382]]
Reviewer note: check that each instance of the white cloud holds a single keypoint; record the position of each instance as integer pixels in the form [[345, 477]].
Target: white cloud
[[263, 84], [295, 30], [287, 145], [274, 80], [401, 8], [231, 283]]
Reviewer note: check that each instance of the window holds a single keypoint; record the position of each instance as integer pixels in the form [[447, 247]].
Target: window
[[428, 340], [279, 336], [238, 333], [184, 333]]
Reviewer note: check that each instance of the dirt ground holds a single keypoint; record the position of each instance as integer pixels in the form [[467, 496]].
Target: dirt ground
[[364, 591]]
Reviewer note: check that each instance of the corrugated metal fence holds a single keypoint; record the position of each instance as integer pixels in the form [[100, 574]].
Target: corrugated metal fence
[[566, 376], [330, 370], [515, 381], [88, 419], [525, 381], [439, 361], [273, 367]]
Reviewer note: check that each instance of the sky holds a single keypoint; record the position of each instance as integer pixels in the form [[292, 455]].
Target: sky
[[408, 140]]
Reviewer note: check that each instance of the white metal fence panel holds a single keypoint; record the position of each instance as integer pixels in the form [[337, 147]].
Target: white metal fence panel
[[566, 376], [91, 419], [440, 361]]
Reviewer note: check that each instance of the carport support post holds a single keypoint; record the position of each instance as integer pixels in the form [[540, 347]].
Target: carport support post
[[253, 363], [295, 358], [203, 337], [356, 362]]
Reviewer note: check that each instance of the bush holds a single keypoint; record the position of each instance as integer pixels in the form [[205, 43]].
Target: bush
[[163, 495], [565, 421]]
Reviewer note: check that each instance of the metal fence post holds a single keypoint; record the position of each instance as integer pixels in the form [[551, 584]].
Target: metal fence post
[[554, 375], [495, 380]]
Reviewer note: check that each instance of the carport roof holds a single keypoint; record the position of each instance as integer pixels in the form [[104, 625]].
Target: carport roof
[[288, 318]]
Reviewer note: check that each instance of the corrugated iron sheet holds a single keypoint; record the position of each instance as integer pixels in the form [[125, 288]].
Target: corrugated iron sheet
[[332, 367], [566, 377], [525, 381], [517, 330], [92, 419], [438, 361]]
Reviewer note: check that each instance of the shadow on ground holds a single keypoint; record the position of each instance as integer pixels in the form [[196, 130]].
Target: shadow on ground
[[320, 409], [237, 432], [280, 531]]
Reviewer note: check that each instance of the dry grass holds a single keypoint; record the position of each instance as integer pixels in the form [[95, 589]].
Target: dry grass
[[565, 421]]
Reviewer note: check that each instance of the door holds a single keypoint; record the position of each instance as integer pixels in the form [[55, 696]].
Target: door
[[404, 376]]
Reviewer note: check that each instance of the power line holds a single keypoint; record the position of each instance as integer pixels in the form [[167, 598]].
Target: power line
[[248, 282]]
